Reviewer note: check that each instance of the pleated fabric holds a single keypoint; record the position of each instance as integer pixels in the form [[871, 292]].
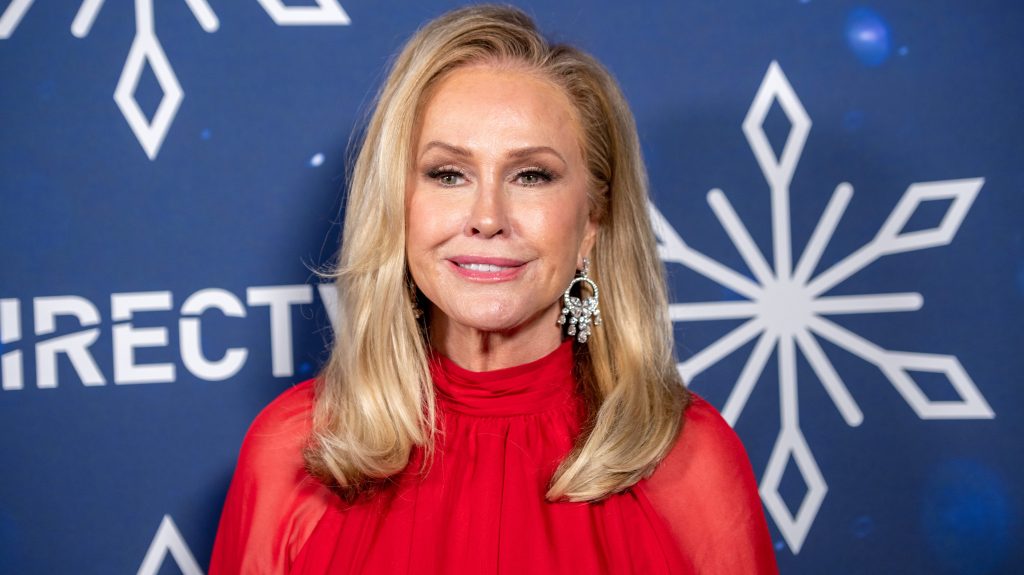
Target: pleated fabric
[[480, 508]]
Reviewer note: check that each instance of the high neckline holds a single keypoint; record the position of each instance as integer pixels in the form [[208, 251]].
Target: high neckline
[[533, 387]]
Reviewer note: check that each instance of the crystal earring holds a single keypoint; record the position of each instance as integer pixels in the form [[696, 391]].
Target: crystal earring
[[577, 312]]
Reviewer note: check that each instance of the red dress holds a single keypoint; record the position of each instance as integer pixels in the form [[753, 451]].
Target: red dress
[[481, 508]]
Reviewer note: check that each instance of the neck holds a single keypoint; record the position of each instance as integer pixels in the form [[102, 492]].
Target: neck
[[478, 350]]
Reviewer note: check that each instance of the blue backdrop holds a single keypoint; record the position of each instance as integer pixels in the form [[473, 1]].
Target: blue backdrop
[[837, 188]]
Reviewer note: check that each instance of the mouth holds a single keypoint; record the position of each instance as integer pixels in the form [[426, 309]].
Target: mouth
[[487, 268], [482, 267]]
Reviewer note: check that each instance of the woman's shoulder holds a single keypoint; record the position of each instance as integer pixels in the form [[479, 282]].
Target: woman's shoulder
[[280, 430], [706, 447], [706, 492], [273, 445], [705, 430], [288, 413], [273, 504]]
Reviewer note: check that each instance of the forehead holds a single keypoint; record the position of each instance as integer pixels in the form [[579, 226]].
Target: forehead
[[489, 106]]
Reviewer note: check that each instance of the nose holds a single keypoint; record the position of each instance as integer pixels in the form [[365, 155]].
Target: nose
[[488, 215]]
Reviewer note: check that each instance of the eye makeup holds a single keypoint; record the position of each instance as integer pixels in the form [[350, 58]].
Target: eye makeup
[[447, 175]]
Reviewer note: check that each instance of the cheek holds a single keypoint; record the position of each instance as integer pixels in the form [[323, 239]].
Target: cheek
[[420, 224], [427, 228], [416, 237], [561, 227]]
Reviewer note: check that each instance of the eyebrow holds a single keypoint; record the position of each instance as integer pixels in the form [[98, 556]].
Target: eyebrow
[[517, 153]]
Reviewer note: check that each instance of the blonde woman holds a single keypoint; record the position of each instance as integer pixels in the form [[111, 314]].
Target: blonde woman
[[503, 397]]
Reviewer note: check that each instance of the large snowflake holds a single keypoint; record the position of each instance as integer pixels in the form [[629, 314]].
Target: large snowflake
[[146, 50], [786, 309]]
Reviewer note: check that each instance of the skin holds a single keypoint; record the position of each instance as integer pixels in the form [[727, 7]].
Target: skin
[[498, 179]]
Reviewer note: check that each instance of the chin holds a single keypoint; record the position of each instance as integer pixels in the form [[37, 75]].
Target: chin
[[490, 322], [498, 318]]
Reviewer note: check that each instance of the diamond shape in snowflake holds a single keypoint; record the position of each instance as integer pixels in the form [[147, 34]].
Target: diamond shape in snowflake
[[786, 309], [147, 51]]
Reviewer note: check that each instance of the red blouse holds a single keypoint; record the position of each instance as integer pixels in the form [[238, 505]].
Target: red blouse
[[481, 507]]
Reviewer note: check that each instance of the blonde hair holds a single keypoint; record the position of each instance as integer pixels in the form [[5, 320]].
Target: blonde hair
[[374, 397]]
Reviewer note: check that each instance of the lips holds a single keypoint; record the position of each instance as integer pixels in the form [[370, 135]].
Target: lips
[[485, 268]]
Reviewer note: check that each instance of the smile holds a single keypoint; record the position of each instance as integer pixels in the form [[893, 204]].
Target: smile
[[487, 268], [482, 267]]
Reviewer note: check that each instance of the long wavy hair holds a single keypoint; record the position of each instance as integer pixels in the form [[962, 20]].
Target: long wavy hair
[[374, 397]]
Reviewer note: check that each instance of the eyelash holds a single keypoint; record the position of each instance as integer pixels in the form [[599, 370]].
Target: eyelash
[[546, 176]]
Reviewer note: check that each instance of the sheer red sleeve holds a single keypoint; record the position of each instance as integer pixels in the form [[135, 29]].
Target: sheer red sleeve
[[273, 504], [706, 491]]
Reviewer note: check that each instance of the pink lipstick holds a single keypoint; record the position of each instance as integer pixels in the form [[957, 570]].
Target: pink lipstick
[[481, 268]]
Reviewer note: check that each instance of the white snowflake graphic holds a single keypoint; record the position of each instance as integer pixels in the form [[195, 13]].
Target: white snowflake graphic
[[147, 50], [787, 309]]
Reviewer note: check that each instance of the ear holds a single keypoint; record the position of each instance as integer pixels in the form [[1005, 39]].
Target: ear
[[587, 244]]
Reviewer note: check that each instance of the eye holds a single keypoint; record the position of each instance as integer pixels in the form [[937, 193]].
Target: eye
[[446, 176], [534, 177]]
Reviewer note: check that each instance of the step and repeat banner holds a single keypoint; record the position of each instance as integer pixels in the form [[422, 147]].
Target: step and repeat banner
[[838, 195]]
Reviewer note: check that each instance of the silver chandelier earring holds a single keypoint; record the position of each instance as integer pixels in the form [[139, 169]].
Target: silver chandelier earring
[[580, 312]]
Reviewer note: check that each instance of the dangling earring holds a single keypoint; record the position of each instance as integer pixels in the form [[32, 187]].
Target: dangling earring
[[580, 312]]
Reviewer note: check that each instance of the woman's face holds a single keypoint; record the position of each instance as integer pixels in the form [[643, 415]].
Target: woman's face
[[496, 205]]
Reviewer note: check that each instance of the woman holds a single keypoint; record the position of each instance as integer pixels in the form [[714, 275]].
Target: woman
[[456, 428]]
